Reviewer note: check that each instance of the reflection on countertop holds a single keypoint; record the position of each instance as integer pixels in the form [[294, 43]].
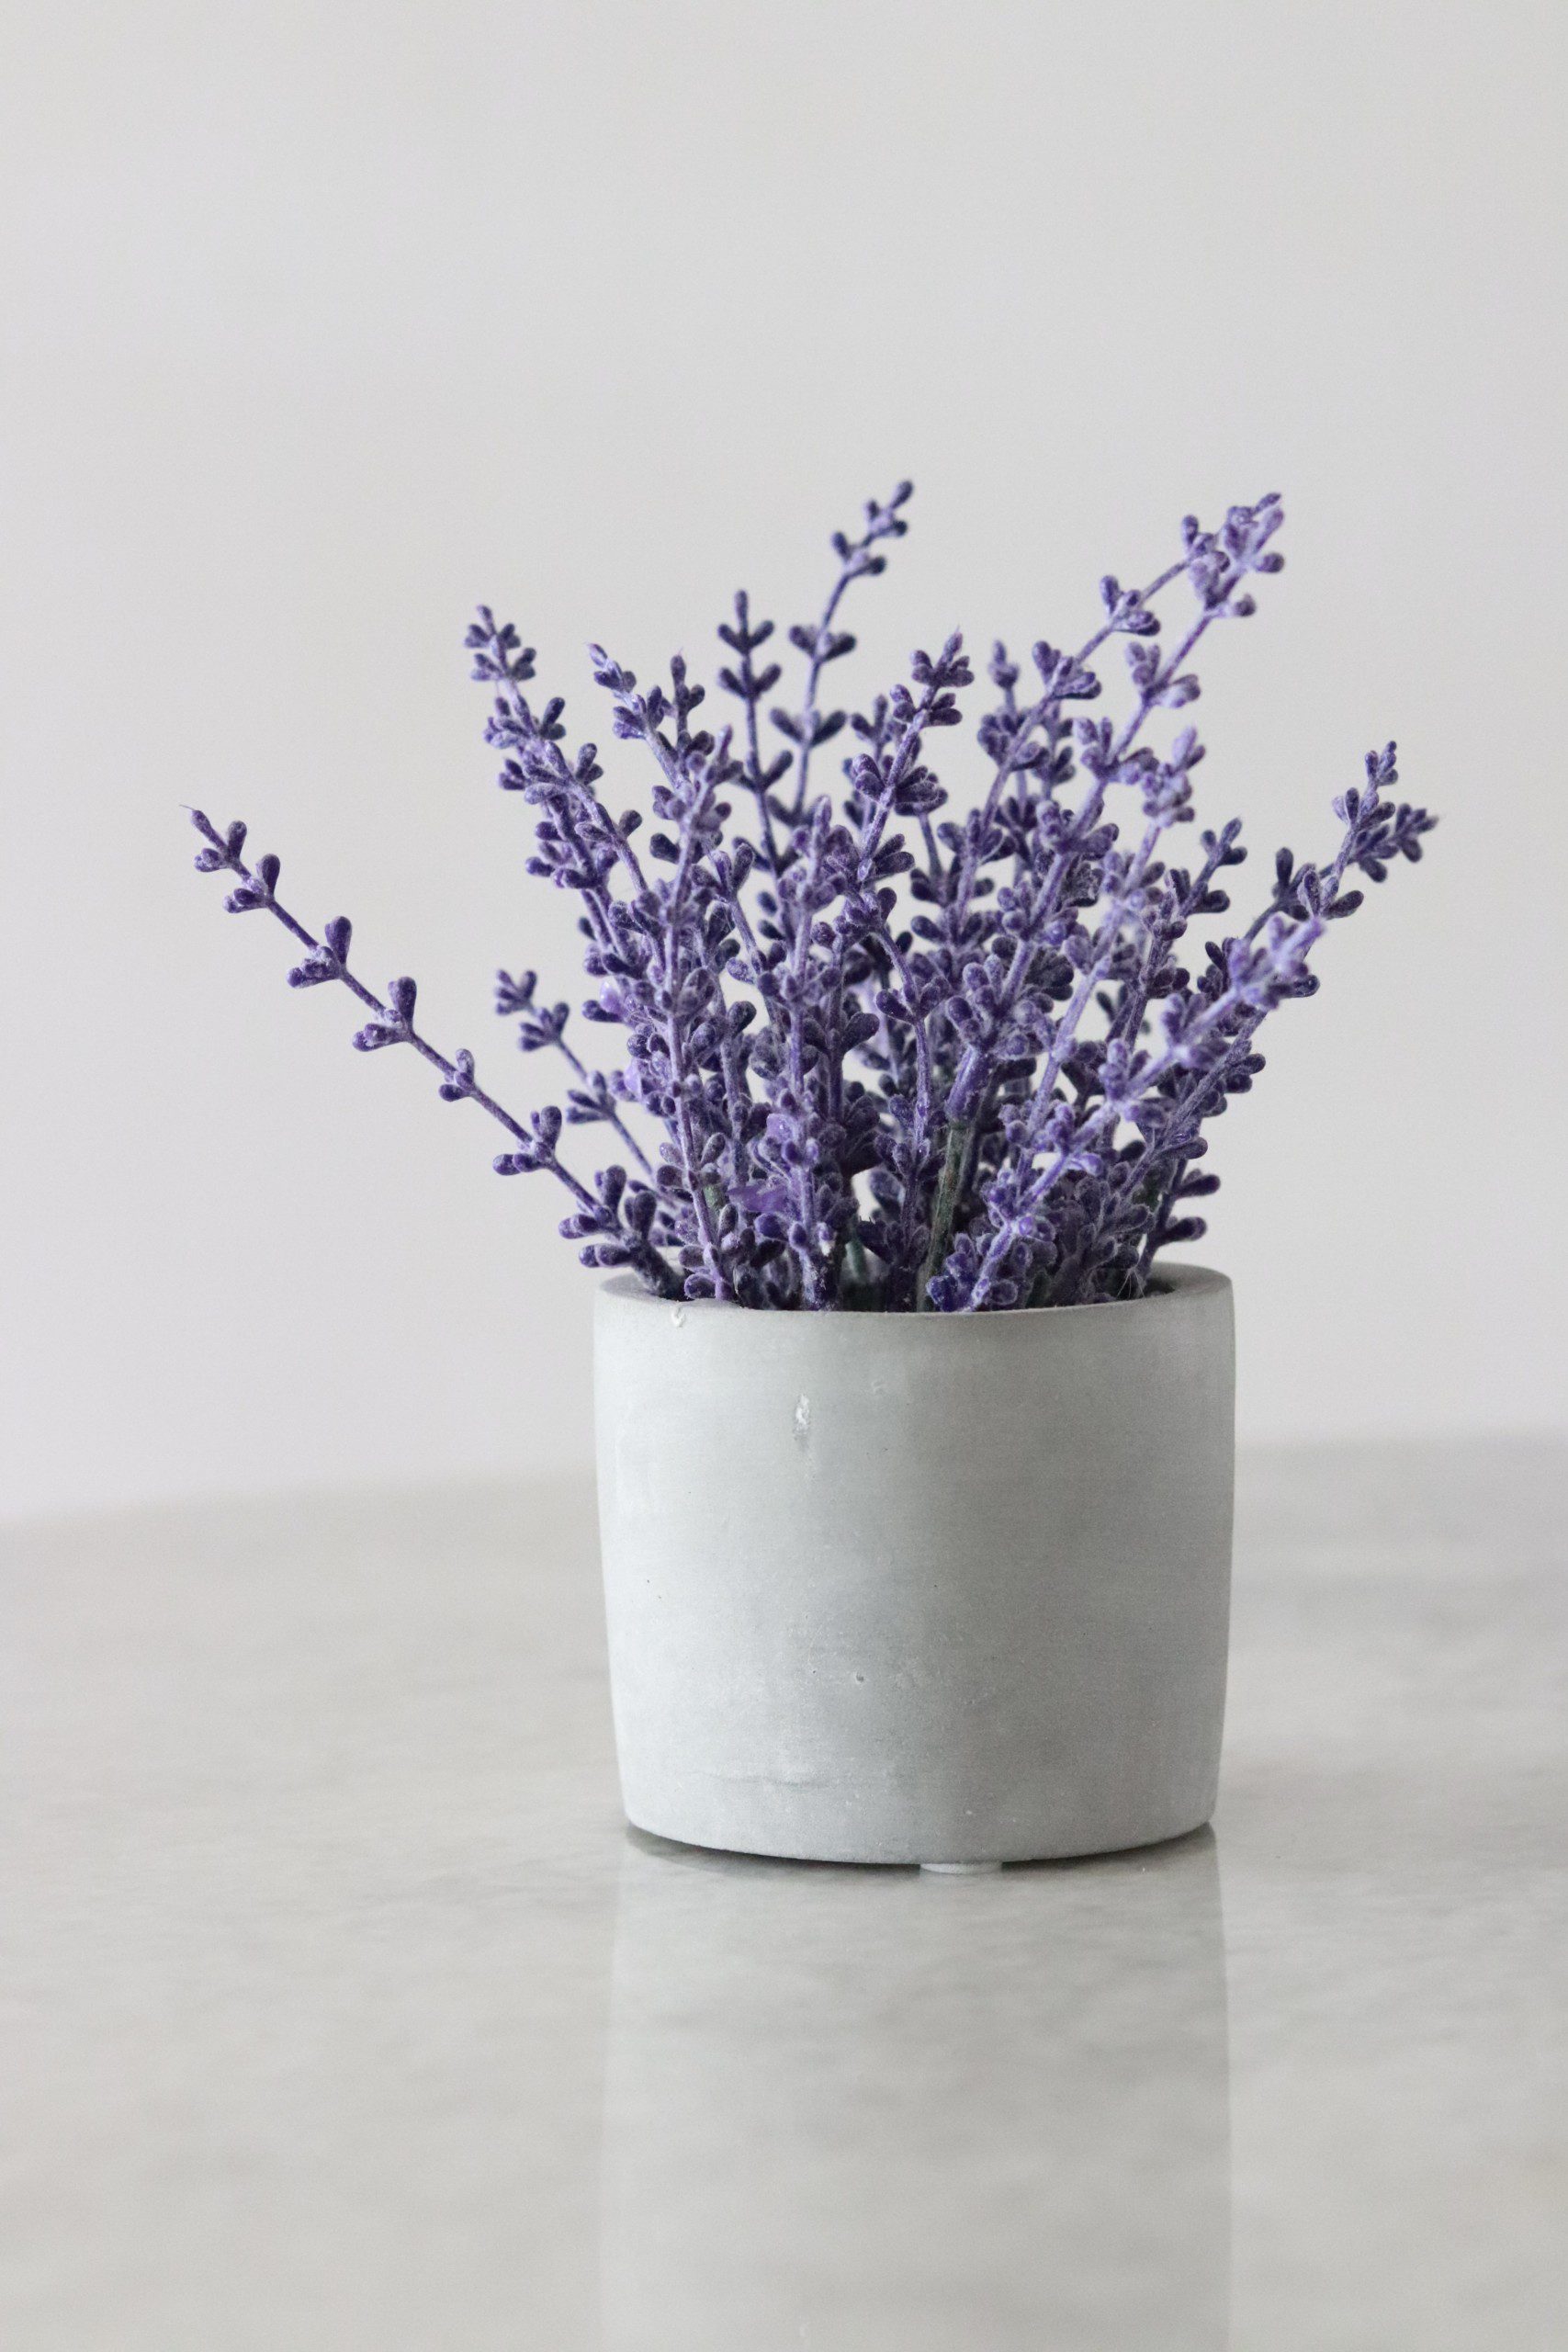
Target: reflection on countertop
[[876, 2110]]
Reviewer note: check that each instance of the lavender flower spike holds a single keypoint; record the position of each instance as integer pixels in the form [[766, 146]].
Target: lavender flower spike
[[607, 1214]]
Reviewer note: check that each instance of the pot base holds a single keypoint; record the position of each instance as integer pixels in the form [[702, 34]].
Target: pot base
[[981, 1867]]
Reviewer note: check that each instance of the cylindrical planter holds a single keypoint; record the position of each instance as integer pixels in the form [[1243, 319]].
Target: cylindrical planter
[[928, 1589]]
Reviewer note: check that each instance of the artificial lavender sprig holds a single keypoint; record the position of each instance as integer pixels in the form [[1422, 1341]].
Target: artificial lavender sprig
[[593, 1101], [899, 1053], [615, 1212]]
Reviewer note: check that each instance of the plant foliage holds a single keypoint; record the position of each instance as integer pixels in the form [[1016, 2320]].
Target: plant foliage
[[877, 1049]]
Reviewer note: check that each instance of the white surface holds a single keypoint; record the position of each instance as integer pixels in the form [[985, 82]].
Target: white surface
[[340, 2014], [323, 323]]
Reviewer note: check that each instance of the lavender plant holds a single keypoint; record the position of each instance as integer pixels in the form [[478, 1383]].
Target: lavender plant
[[877, 1051]]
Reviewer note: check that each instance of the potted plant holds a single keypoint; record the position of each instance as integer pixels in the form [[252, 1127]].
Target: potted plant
[[915, 1456]]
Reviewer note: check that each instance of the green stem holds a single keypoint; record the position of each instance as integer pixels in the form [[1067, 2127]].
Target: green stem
[[945, 1207]]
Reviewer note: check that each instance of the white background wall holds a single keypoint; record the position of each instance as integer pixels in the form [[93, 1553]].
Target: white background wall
[[321, 324]]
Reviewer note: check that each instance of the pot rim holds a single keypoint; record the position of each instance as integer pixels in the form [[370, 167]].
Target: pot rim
[[1172, 1284]]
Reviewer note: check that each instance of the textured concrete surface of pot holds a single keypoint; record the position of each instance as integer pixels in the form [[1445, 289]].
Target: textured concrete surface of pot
[[918, 1589]]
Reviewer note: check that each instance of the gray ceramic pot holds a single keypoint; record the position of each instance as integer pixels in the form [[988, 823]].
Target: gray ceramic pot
[[949, 1590]]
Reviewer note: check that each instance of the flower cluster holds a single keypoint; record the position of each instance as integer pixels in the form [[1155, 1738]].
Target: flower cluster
[[875, 1049]]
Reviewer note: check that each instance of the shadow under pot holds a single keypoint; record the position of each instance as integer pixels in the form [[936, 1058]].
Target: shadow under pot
[[919, 1589]]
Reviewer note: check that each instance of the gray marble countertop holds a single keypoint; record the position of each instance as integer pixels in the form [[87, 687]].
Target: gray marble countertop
[[340, 2010]]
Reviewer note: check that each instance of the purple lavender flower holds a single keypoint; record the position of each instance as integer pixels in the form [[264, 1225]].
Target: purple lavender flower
[[875, 1050]]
